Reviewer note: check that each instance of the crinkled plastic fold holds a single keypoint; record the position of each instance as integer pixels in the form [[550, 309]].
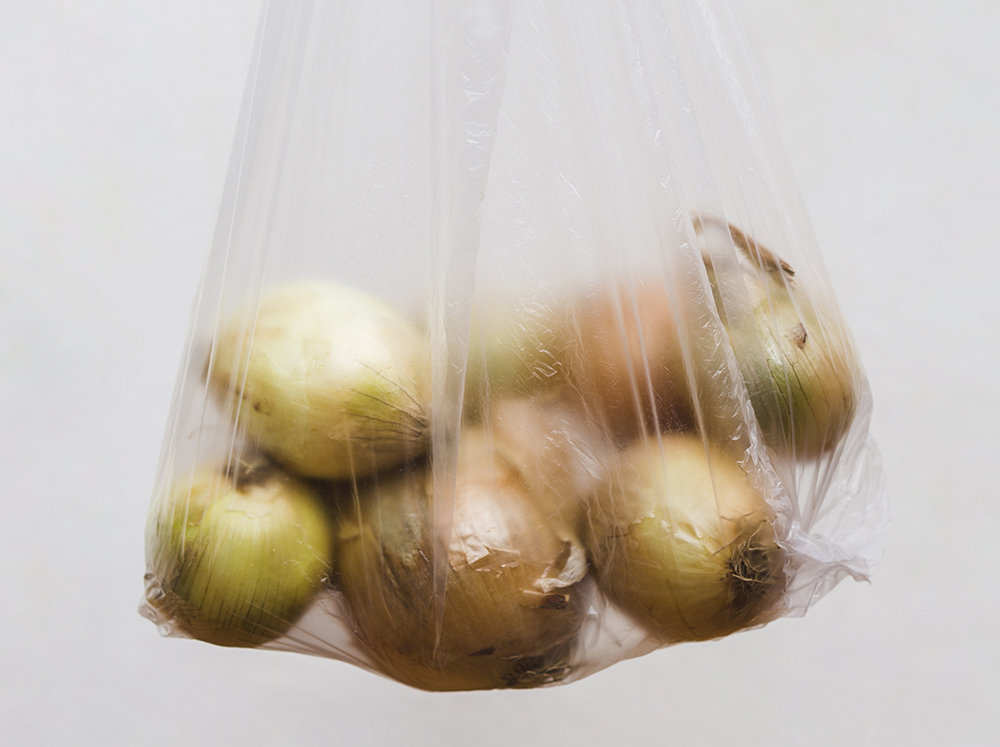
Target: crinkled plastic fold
[[514, 356]]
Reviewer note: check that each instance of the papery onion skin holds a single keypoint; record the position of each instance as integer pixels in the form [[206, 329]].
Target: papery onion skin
[[335, 382], [237, 563], [512, 603], [682, 542]]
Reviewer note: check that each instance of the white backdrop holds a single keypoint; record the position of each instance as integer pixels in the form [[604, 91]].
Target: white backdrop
[[116, 118]]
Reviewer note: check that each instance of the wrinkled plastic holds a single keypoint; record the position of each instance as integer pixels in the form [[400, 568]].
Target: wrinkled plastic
[[514, 356]]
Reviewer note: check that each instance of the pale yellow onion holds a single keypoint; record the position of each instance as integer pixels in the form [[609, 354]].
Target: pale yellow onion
[[335, 382], [681, 541], [802, 386], [799, 368], [236, 562], [515, 349], [512, 604]]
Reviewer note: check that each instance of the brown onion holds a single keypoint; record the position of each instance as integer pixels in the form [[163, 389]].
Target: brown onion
[[512, 602], [624, 360]]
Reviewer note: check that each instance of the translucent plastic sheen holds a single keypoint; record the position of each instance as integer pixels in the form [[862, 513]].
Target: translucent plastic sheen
[[517, 303]]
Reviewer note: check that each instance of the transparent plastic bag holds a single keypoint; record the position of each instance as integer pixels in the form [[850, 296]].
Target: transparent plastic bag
[[514, 355]]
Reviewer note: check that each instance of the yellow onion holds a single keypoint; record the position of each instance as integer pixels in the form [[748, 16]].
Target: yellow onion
[[802, 388], [797, 364], [624, 360], [235, 562], [512, 602], [514, 350], [682, 542], [329, 380]]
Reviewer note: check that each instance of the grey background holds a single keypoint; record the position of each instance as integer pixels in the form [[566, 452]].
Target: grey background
[[116, 120]]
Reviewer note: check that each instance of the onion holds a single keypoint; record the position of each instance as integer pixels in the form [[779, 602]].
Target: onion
[[512, 602], [798, 366], [683, 543], [802, 387], [614, 353], [514, 350], [236, 561], [333, 383], [624, 360]]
